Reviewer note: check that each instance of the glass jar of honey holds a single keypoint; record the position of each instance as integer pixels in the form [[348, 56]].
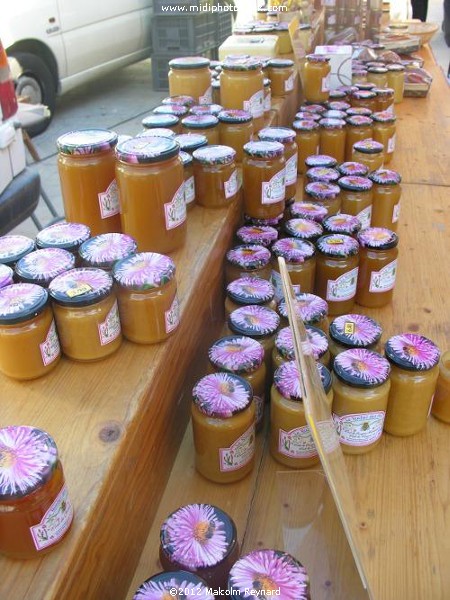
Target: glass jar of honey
[[282, 76], [206, 125], [147, 296], [364, 99], [300, 262], [189, 142], [29, 344], [264, 179], [189, 75], [86, 171], [160, 585], [332, 138], [320, 160], [441, 402], [361, 388], [13, 248], [325, 174], [247, 291], [216, 176], [316, 78], [263, 235], [267, 97], [310, 308], [303, 229], [223, 423], [6, 276], [353, 331], [378, 76], [151, 183], [153, 121], [283, 350], [235, 130], [307, 138], [206, 109], [102, 251], [327, 194], [396, 81], [342, 223], [377, 266], [356, 198], [307, 210], [41, 266], [246, 260], [177, 110], [385, 99], [285, 136], [384, 132], [337, 271], [86, 313], [189, 181], [180, 99], [358, 128], [414, 371], [370, 153], [35, 509], [68, 236], [353, 168], [275, 222]]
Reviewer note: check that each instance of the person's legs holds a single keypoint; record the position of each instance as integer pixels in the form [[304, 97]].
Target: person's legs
[[446, 23], [419, 9]]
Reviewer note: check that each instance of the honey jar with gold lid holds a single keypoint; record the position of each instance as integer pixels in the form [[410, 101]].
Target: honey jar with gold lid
[[283, 350], [312, 309], [300, 259], [158, 586], [41, 266], [189, 75], [102, 251], [249, 290], [353, 331], [247, 259], [14, 247]]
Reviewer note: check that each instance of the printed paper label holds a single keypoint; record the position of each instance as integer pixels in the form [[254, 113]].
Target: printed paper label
[[175, 211], [232, 185], [326, 83], [207, 97], [331, 19], [289, 83], [275, 189], [109, 201], [239, 453], [365, 216], [172, 316], [267, 101], [110, 328], [383, 280], [189, 190], [342, 288], [255, 105], [50, 348], [259, 408], [55, 522], [396, 212], [391, 144], [291, 169], [278, 286], [359, 429], [297, 443]]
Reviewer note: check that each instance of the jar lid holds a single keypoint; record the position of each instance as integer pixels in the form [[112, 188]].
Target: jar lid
[[395, 67], [359, 111], [41, 266], [327, 174], [322, 190], [80, 287], [161, 585], [359, 121], [375, 63], [14, 247], [385, 177], [313, 108], [284, 342], [383, 91], [320, 160], [355, 183], [309, 307], [63, 235], [274, 222], [353, 168], [365, 86], [153, 121], [146, 150], [308, 210], [186, 158], [286, 380], [378, 70], [215, 155], [183, 100], [198, 536], [28, 459], [249, 256], [384, 117], [241, 63], [342, 223], [253, 234], [304, 115], [337, 94], [317, 58], [348, 89], [368, 147], [191, 141], [305, 124], [222, 395], [250, 290], [277, 134], [199, 121], [364, 95], [377, 238], [157, 132], [337, 245], [104, 250], [236, 354], [355, 331], [6, 276], [171, 109], [234, 116], [86, 141], [359, 367], [254, 321], [412, 352], [332, 123], [189, 62], [337, 105], [303, 229], [21, 301], [206, 109], [359, 72], [294, 251], [144, 271], [264, 149], [334, 114], [280, 63]]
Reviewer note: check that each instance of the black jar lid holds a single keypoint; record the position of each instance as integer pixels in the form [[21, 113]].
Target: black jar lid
[[355, 331], [313, 108], [385, 177], [254, 321], [21, 301], [41, 266], [359, 121], [364, 95], [189, 142], [412, 352], [144, 271], [242, 63], [334, 114], [146, 150], [215, 155], [377, 238], [332, 123], [365, 86], [189, 62], [157, 132], [103, 250], [359, 111], [206, 109], [250, 290], [236, 354], [80, 287], [337, 245], [162, 584], [14, 247], [384, 116], [338, 104], [222, 395], [68, 236], [153, 121], [359, 367]]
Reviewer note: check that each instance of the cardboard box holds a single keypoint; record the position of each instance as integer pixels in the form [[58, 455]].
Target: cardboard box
[[340, 63]]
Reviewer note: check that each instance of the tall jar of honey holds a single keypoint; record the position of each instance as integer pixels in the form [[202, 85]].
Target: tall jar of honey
[[207, 125], [263, 235], [396, 81], [342, 223], [282, 76], [189, 181], [356, 198], [102, 251], [247, 291], [235, 130], [285, 136], [151, 183], [384, 132], [310, 308], [86, 171], [307, 138], [414, 371], [246, 260], [216, 176], [35, 509], [189, 75], [300, 262], [13, 248], [441, 402], [283, 350], [153, 121], [353, 331], [332, 138], [307, 210], [358, 128], [316, 78], [41, 266], [189, 142], [327, 194], [370, 153]]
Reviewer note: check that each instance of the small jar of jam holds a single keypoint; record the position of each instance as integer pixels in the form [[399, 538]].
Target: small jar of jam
[[86, 313], [386, 198], [6, 276], [189, 142], [342, 223], [310, 308], [246, 260], [378, 76], [396, 81], [364, 99], [267, 96], [320, 160], [262, 235], [361, 388], [377, 266], [282, 76], [414, 372], [201, 539], [13, 248], [35, 509], [316, 83], [206, 109], [337, 271], [189, 181], [180, 99], [41, 266], [370, 153], [358, 128], [29, 344], [68, 236], [102, 251], [353, 168], [326, 174], [332, 138], [307, 210], [207, 125], [235, 130], [216, 176], [303, 229], [307, 138], [264, 179], [327, 194], [283, 350], [162, 584], [300, 262], [223, 423], [189, 75], [285, 136], [247, 291], [441, 402], [153, 121], [385, 99], [353, 331], [384, 132], [356, 198]]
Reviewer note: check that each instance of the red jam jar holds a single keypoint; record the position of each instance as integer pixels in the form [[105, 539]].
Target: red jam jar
[[353, 331], [13, 248], [41, 266], [307, 210], [263, 235], [249, 290], [327, 194], [285, 136], [103, 251], [249, 259], [284, 346], [386, 198], [159, 586], [310, 308], [300, 263], [342, 223]]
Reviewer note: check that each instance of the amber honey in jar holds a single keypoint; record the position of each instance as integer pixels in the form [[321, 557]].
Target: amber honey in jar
[[86, 170], [263, 235], [396, 81], [370, 153], [384, 132], [342, 223], [102, 251], [29, 344], [223, 423], [414, 372], [359, 76], [377, 266], [378, 76], [86, 314], [206, 125], [282, 76], [160, 585], [303, 229], [151, 183], [147, 296], [353, 331], [13, 248], [337, 271], [332, 138], [264, 179], [385, 99], [189, 142], [283, 350], [361, 388], [356, 198], [35, 510], [6, 276], [364, 99], [441, 402], [153, 121], [310, 308], [41, 266], [326, 194], [247, 291], [189, 181], [287, 137], [246, 260], [307, 138], [316, 78], [307, 210], [235, 130], [300, 263], [67, 236], [358, 128], [189, 75], [216, 176], [275, 222]]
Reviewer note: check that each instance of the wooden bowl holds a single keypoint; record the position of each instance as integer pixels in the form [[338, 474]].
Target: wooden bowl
[[424, 31]]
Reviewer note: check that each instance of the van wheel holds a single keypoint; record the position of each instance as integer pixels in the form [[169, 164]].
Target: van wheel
[[36, 85]]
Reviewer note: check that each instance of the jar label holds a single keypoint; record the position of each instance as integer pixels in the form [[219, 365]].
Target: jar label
[[267, 101], [326, 83], [331, 19], [255, 104], [239, 453], [291, 169], [54, 523], [50, 348], [172, 316], [365, 216], [396, 212], [342, 288], [289, 83], [383, 280], [259, 408], [109, 201], [274, 190], [175, 211], [207, 97], [391, 144], [297, 443], [359, 429], [189, 190], [109, 330], [232, 185], [278, 286]]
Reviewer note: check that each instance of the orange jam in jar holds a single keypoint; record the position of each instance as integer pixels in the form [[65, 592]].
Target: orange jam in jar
[[206, 109], [342, 223], [386, 198], [216, 176], [384, 132], [41, 266], [189, 142], [332, 138], [184, 100], [153, 121], [246, 260], [441, 402], [247, 291], [283, 350], [396, 81], [307, 210], [414, 372], [35, 510], [189, 75], [377, 266], [86, 314], [206, 125], [316, 78], [307, 138], [264, 179], [300, 262], [361, 388], [303, 229], [235, 130], [353, 331], [385, 99], [358, 128], [102, 251], [282, 76], [337, 271], [6, 276], [285, 136], [327, 194], [369, 153], [223, 423], [151, 183], [13, 248], [356, 198], [189, 181], [161, 584], [364, 99], [378, 76], [263, 235], [311, 309], [68, 236], [29, 344], [86, 169]]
